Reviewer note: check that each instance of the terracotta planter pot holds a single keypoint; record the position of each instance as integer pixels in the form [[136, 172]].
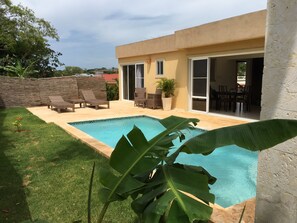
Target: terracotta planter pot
[[167, 103]]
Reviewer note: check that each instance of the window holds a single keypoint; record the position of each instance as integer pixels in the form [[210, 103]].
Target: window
[[160, 67], [139, 76], [241, 68]]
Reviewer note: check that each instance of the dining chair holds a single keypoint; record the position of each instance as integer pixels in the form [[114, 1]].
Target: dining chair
[[244, 99], [223, 97]]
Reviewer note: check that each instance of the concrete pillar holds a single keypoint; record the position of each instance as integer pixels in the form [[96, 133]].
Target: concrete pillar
[[277, 167]]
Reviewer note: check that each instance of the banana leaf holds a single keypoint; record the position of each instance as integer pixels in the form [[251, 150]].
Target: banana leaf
[[159, 187], [134, 155], [254, 136], [181, 195]]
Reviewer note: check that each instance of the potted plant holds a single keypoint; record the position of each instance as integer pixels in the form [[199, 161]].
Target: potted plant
[[168, 87]]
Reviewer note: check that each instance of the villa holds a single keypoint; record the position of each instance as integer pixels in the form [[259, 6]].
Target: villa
[[45, 169], [207, 56], [199, 59]]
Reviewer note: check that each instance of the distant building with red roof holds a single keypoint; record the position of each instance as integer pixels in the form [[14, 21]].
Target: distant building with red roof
[[109, 78]]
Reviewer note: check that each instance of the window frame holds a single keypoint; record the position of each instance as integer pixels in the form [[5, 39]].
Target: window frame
[[159, 68]]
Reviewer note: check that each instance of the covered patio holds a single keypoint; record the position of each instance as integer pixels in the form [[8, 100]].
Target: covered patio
[[236, 85]]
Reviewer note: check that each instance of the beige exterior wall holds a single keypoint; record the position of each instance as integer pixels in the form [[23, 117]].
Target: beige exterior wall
[[147, 47], [175, 66], [177, 50], [244, 27], [241, 28], [277, 167]]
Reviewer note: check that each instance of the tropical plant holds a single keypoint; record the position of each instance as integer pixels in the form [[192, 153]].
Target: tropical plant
[[112, 91], [167, 86], [165, 191], [18, 70]]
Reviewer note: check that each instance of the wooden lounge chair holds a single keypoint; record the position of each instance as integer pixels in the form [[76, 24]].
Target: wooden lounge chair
[[154, 100], [58, 103], [90, 99], [140, 97]]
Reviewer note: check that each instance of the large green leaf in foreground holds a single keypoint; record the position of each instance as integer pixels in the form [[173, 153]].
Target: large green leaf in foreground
[[135, 155], [255, 136], [146, 171], [174, 195]]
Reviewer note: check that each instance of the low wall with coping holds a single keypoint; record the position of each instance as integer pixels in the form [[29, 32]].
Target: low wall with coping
[[29, 92]]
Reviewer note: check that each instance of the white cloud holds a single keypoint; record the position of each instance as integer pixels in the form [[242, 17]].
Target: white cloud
[[118, 22]]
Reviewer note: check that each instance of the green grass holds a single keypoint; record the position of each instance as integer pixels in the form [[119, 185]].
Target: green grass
[[45, 173]]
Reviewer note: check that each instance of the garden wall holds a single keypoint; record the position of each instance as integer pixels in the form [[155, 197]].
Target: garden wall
[[98, 86], [64, 86], [34, 92]]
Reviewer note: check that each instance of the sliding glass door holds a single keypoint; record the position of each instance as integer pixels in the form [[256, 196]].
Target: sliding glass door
[[200, 84], [133, 77]]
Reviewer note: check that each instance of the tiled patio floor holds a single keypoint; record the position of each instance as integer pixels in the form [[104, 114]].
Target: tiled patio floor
[[122, 109], [126, 108]]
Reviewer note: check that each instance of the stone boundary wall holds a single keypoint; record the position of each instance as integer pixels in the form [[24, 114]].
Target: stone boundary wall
[[29, 92], [98, 87], [64, 86]]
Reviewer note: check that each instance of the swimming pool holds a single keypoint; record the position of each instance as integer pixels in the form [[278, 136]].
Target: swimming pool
[[234, 167]]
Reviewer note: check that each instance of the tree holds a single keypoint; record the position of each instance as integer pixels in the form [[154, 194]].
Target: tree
[[24, 40], [72, 70], [18, 70], [241, 68]]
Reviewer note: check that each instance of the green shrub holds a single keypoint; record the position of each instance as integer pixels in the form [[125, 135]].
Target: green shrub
[[112, 91]]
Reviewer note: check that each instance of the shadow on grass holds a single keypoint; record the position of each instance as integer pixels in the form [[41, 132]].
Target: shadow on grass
[[13, 203], [75, 150]]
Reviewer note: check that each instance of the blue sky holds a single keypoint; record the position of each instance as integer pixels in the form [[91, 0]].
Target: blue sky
[[90, 30]]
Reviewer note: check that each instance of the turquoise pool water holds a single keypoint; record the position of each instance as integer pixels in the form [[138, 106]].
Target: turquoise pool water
[[234, 167]]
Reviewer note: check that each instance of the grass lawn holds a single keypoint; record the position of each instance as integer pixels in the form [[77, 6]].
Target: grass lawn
[[45, 172]]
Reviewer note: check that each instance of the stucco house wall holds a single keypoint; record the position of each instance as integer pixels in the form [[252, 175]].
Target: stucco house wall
[[277, 167], [175, 66], [201, 41]]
